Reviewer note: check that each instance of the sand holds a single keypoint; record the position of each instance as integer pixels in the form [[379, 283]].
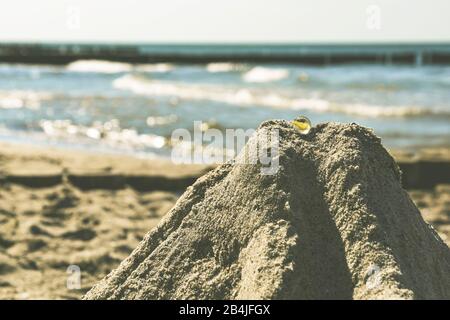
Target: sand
[[48, 223], [46, 230], [333, 223], [60, 207]]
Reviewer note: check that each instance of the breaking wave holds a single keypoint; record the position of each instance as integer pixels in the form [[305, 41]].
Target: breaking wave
[[256, 97], [262, 74], [99, 66], [22, 99], [156, 67], [223, 67], [109, 133], [103, 66]]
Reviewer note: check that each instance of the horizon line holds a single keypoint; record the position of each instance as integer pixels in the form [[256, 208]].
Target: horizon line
[[226, 43]]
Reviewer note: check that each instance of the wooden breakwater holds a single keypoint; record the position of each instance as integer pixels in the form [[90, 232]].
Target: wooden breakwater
[[410, 54]]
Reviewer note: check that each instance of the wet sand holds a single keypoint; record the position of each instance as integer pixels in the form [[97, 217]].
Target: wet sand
[[59, 208]]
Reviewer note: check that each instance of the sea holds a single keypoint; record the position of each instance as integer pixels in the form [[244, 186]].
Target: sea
[[110, 106]]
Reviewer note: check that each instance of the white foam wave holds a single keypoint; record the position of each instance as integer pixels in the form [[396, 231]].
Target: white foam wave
[[22, 99], [108, 133], [99, 66], [157, 67], [161, 120], [183, 91], [103, 66], [11, 103], [256, 97], [217, 67], [262, 74]]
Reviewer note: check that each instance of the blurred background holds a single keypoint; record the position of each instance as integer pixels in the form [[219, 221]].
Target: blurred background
[[121, 76]]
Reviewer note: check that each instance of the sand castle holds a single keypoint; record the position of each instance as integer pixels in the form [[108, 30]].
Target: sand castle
[[332, 223]]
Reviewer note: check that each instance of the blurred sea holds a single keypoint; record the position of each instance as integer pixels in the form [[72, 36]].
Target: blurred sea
[[121, 107]]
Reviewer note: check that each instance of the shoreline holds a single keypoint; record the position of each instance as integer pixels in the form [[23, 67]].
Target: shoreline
[[45, 166]]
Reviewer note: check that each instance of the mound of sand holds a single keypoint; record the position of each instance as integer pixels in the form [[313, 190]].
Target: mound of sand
[[333, 222]]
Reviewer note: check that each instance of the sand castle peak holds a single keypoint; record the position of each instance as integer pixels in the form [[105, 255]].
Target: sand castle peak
[[332, 222]]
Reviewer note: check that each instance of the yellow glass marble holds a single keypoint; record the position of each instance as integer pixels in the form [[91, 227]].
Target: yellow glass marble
[[303, 124]]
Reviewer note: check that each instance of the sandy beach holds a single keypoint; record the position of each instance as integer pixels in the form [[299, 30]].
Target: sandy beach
[[60, 208], [89, 217]]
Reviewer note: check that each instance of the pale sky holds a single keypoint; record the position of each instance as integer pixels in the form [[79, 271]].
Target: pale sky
[[240, 21]]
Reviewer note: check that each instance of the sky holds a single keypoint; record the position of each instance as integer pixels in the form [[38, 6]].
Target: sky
[[225, 21]]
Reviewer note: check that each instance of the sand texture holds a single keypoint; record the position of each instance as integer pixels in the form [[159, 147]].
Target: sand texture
[[333, 222], [44, 231], [60, 208]]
